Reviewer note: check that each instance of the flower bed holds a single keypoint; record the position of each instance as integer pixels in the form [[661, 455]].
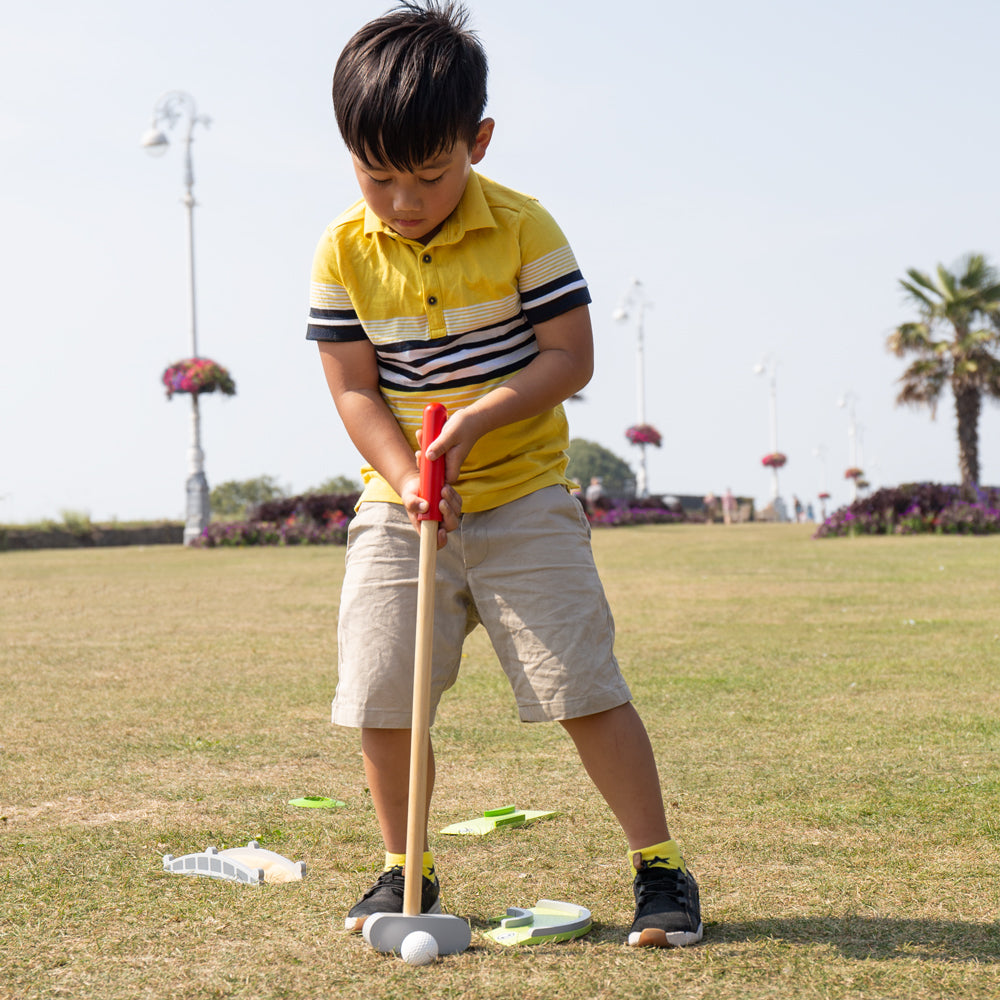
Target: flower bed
[[916, 508], [310, 519], [616, 517], [323, 519]]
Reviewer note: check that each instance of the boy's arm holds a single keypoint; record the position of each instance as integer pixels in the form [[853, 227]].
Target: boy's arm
[[352, 376], [562, 367]]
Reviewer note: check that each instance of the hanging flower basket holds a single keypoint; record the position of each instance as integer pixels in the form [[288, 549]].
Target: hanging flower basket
[[775, 460], [197, 375], [824, 496], [644, 434], [853, 473]]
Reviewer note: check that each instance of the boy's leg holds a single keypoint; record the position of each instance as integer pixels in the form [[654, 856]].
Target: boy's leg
[[386, 754], [615, 750], [374, 694]]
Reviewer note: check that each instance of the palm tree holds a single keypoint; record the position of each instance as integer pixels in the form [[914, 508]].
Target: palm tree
[[954, 341]]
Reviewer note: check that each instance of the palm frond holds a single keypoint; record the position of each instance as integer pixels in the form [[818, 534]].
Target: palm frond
[[948, 282], [908, 337], [922, 383], [990, 298], [977, 340], [918, 286], [976, 272]]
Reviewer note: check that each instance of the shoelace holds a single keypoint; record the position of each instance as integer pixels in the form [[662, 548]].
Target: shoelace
[[670, 883], [392, 879]]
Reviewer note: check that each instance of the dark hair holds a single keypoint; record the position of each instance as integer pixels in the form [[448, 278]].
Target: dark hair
[[410, 84]]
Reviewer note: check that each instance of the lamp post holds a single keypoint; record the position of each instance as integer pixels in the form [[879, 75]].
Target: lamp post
[[820, 452], [769, 366], [635, 299], [173, 107], [847, 401]]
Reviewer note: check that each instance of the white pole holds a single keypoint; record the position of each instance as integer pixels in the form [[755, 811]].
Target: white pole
[[169, 109], [636, 299], [642, 479], [769, 366], [847, 401], [774, 430]]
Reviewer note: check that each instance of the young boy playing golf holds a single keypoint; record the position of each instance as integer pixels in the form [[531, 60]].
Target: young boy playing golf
[[443, 286]]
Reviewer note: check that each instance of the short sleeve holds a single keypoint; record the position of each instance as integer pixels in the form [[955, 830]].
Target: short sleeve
[[332, 316], [550, 282]]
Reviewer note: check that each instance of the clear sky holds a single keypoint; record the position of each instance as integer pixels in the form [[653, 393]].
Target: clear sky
[[768, 171]]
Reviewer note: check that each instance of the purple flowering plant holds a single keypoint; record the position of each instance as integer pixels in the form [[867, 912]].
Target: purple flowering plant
[[918, 508]]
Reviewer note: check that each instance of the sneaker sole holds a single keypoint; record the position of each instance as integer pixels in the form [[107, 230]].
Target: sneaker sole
[[652, 937], [355, 924]]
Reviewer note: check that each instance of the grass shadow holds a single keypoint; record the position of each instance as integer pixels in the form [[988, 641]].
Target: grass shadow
[[877, 938]]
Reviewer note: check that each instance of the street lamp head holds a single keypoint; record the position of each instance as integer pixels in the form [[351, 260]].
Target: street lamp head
[[759, 369], [620, 314], [154, 141]]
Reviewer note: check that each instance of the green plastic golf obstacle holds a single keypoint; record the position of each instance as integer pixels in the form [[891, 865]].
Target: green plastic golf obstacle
[[250, 865], [497, 819], [316, 802], [547, 921]]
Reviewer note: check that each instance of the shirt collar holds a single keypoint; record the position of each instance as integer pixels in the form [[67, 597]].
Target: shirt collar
[[472, 212]]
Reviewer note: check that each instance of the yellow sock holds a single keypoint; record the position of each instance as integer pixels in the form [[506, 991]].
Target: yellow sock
[[665, 855], [399, 860]]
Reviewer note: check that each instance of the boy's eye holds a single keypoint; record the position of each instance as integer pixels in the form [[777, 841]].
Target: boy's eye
[[431, 180]]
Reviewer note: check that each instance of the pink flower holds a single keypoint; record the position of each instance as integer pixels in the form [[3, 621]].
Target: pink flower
[[644, 434], [198, 375]]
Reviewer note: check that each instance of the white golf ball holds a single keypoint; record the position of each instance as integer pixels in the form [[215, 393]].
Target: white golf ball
[[419, 948]]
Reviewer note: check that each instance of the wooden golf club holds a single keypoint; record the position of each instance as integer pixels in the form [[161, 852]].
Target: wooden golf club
[[385, 931]]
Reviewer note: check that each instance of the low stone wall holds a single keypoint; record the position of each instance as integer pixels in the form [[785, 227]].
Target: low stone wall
[[61, 538]]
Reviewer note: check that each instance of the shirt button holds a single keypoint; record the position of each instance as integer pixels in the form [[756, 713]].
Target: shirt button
[[427, 258], [432, 300]]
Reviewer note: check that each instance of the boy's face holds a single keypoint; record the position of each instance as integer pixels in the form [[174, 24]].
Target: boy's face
[[416, 203]]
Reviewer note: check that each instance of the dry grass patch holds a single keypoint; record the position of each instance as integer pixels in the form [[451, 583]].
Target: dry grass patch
[[825, 714]]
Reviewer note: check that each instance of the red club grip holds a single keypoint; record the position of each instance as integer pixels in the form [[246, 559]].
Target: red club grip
[[431, 473]]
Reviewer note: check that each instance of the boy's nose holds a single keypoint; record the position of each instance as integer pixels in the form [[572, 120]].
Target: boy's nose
[[406, 199]]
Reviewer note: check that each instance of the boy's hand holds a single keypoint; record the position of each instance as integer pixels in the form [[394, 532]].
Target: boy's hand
[[450, 506], [454, 443]]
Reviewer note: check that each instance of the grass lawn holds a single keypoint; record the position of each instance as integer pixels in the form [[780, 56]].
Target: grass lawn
[[826, 715]]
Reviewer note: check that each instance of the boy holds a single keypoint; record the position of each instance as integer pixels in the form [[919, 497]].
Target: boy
[[440, 285]]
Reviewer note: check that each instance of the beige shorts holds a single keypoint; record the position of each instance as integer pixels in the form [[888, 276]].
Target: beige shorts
[[524, 571]]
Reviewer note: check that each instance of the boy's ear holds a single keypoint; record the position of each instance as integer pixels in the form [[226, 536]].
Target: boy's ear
[[483, 136]]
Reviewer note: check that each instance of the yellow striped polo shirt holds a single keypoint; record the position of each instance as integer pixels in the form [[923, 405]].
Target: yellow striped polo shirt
[[452, 320]]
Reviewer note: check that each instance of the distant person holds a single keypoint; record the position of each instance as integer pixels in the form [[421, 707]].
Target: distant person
[[442, 285], [797, 506], [595, 493], [709, 503], [728, 506]]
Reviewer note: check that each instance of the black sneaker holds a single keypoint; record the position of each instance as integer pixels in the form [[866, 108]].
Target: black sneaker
[[667, 911], [386, 896]]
